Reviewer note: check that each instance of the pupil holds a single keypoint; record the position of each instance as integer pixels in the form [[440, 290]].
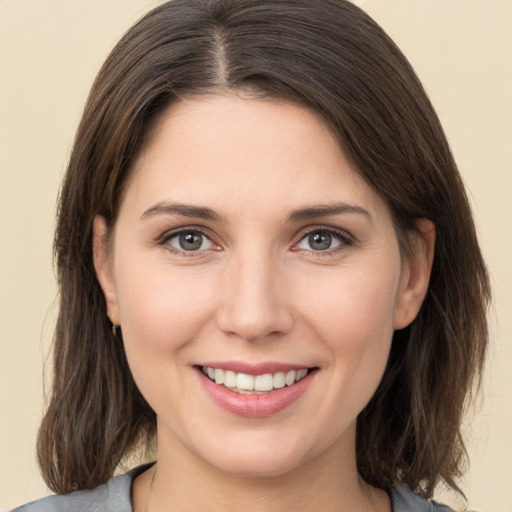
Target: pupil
[[191, 241], [320, 241]]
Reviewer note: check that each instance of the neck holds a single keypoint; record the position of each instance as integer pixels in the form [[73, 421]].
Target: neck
[[181, 481]]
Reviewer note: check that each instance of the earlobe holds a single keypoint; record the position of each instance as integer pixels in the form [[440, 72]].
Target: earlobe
[[415, 274], [103, 268]]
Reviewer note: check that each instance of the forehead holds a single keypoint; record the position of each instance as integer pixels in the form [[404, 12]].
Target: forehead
[[206, 149]]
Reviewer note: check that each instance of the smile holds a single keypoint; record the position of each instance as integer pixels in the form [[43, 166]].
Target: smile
[[255, 391], [253, 384]]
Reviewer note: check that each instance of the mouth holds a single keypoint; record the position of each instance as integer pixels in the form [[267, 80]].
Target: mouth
[[248, 384], [255, 391]]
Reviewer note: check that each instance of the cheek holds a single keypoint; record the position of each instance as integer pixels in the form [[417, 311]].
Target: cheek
[[352, 316], [163, 313], [161, 308], [355, 304]]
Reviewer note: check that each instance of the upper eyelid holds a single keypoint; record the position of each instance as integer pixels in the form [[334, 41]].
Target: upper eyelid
[[330, 229], [171, 233]]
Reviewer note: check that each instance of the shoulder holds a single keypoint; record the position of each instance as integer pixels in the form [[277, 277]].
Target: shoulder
[[114, 496], [404, 500]]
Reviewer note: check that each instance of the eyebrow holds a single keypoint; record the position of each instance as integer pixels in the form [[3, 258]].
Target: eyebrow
[[185, 210], [201, 212], [325, 210]]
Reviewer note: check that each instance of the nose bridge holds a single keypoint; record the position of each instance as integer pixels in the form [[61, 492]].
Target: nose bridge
[[254, 302]]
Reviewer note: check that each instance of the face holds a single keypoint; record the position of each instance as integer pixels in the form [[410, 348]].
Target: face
[[257, 280]]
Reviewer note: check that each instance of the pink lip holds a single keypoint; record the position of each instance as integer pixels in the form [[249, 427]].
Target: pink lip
[[255, 406], [253, 369]]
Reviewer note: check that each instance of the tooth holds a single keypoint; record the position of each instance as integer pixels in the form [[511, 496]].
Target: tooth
[[279, 380], [219, 376], [245, 392], [301, 374], [244, 381], [290, 378], [264, 382], [230, 379], [259, 383]]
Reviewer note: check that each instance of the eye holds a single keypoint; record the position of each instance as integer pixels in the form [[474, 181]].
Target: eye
[[323, 240], [189, 241]]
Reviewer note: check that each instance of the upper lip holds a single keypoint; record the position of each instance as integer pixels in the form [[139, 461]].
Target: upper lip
[[254, 368]]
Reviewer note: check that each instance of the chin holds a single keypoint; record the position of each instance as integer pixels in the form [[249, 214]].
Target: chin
[[263, 454], [258, 465]]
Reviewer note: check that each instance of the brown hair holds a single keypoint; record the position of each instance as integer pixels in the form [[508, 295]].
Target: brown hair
[[332, 57]]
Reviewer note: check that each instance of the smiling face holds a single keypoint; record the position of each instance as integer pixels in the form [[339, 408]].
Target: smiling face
[[248, 251]]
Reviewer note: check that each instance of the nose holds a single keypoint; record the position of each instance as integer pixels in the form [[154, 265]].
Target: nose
[[255, 303]]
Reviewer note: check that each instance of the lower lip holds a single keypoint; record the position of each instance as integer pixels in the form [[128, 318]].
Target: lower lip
[[257, 405]]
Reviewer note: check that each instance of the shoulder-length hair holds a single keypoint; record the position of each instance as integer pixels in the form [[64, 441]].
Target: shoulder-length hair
[[328, 56]]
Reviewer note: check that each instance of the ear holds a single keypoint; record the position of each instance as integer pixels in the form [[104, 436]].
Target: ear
[[103, 268], [415, 274]]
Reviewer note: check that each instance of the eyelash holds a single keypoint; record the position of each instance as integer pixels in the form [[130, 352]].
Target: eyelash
[[345, 240], [165, 239]]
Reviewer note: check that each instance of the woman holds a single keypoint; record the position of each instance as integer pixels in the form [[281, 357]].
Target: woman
[[268, 264]]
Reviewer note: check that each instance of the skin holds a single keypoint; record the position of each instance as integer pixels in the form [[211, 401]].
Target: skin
[[256, 290]]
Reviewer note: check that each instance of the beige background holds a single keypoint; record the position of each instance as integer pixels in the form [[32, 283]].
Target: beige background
[[50, 51]]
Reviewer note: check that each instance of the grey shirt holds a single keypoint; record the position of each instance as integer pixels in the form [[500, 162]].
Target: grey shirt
[[114, 496]]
